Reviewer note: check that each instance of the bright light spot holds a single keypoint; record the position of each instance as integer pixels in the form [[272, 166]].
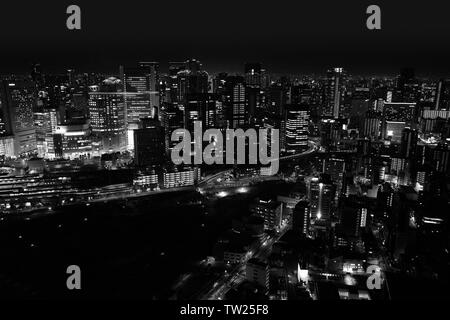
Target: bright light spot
[[302, 274], [222, 194], [319, 215], [349, 280], [242, 190]]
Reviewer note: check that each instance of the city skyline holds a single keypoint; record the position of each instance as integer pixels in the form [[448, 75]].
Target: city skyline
[[259, 155]]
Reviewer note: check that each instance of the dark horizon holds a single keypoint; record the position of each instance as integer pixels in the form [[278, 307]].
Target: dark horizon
[[232, 69]]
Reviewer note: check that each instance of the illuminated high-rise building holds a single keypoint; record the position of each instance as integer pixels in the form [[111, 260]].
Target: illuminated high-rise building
[[72, 141], [302, 217], [236, 100], [335, 168], [19, 100], [409, 143], [253, 74], [334, 93], [271, 211], [441, 158], [372, 123], [297, 121], [107, 116], [442, 101], [321, 196], [141, 95]]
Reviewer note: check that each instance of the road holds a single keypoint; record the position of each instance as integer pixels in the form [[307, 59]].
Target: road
[[234, 277]]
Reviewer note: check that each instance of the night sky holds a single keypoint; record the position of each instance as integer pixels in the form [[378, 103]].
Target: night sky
[[287, 36]]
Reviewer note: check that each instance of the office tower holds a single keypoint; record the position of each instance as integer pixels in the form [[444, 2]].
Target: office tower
[[297, 121], [441, 158], [409, 143], [442, 101], [277, 99], [252, 102], [353, 214], [172, 81], [372, 123], [253, 75], [331, 131], [195, 109], [45, 122], [321, 195], [19, 100], [192, 80], [149, 143], [407, 89], [257, 272], [151, 70], [385, 197], [107, 115], [74, 139], [141, 95], [172, 119], [200, 107], [334, 93], [239, 116], [271, 211], [192, 92], [398, 165], [302, 217], [360, 98], [219, 84], [335, 168]]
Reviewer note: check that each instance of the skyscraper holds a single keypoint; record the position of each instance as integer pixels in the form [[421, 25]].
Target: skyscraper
[[302, 217], [141, 95], [253, 75], [19, 99], [271, 211], [322, 193], [409, 143], [236, 87], [372, 123], [107, 115], [297, 121], [334, 93], [149, 143], [336, 169], [442, 101]]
